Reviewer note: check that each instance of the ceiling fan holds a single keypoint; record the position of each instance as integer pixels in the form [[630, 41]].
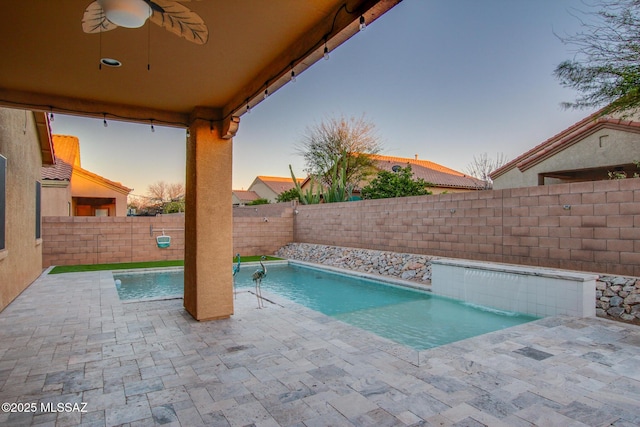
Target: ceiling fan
[[105, 15]]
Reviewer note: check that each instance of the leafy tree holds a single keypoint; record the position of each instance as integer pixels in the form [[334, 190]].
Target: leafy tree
[[260, 201], [173, 206], [482, 165], [348, 140], [395, 184], [289, 195], [606, 68]]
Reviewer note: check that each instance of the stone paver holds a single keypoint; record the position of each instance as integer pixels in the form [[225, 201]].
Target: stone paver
[[73, 354]]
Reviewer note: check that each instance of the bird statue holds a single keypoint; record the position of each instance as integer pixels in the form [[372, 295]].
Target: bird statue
[[257, 277], [236, 269]]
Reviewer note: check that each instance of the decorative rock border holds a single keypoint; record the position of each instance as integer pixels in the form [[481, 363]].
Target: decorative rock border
[[412, 267], [617, 298]]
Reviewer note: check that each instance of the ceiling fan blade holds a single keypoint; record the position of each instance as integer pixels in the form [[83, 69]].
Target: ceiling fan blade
[[154, 6], [181, 21], [94, 20]]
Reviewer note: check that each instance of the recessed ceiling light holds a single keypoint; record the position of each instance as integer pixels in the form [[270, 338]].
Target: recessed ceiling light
[[110, 62]]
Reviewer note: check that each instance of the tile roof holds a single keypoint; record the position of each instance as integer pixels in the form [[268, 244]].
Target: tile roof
[[67, 148], [278, 184], [61, 171], [434, 173], [67, 154], [246, 196]]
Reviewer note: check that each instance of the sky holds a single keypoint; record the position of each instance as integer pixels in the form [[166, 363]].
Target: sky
[[446, 80]]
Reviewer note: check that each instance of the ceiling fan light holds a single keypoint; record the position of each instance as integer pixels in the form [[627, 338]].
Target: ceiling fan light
[[126, 13]]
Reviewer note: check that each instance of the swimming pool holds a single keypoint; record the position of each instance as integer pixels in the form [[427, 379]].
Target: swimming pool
[[150, 284], [417, 319]]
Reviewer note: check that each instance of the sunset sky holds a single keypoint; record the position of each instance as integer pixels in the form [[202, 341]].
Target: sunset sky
[[444, 79]]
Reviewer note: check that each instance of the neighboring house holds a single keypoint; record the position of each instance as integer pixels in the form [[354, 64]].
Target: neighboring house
[[269, 187], [242, 197], [70, 190], [442, 178], [25, 145], [587, 151]]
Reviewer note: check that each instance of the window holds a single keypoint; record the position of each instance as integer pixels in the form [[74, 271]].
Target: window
[[38, 211], [3, 199]]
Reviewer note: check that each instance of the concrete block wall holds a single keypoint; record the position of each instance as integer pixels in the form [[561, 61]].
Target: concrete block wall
[[99, 240], [262, 229], [93, 240], [590, 226]]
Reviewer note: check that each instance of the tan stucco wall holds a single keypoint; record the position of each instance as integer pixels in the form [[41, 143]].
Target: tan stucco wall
[[21, 261], [208, 283], [263, 191], [618, 147], [56, 198], [84, 186]]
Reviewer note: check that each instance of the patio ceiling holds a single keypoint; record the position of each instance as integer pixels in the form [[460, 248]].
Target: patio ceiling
[[49, 64]]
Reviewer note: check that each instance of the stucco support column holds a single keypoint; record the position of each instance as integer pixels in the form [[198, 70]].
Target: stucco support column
[[208, 281]]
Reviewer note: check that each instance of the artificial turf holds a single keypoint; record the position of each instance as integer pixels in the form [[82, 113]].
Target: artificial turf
[[131, 265]]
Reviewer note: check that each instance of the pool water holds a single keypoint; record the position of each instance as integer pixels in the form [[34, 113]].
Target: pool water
[[150, 285], [417, 319], [410, 317]]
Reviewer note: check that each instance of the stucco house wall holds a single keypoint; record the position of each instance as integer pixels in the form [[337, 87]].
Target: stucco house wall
[[70, 190], [88, 185], [603, 148], [586, 151], [56, 198], [21, 260], [263, 191]]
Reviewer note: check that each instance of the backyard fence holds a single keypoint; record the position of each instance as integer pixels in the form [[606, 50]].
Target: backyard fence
[[588, 226], [97, 240]]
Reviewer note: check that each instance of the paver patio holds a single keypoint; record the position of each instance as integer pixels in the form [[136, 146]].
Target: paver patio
[[69, 339]]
